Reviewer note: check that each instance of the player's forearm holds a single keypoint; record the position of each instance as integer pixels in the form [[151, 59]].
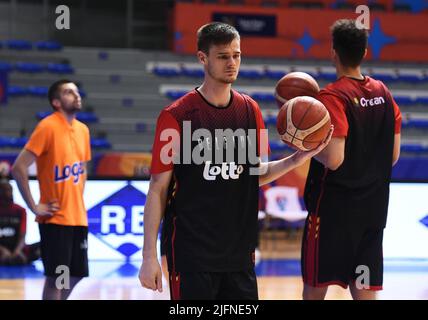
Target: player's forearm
[[153, 211], [275, 169], [20, 175]]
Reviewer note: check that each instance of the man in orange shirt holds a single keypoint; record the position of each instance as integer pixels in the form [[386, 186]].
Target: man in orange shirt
[[60, 145]]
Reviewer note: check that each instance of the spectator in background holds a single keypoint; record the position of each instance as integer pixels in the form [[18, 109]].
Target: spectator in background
[[13, 250]]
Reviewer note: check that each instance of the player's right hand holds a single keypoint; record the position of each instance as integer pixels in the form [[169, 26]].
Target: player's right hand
[[151, 274], [46, 209]]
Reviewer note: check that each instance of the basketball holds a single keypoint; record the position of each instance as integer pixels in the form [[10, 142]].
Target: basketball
[[303, 123], [295, 84]]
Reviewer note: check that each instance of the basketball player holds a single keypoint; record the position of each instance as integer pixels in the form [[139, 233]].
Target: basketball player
[[60, 145], [347, 188], [13, 224], [210, 207]]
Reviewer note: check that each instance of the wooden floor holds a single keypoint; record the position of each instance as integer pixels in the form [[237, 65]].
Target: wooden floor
[[112, 281], [400, 286]]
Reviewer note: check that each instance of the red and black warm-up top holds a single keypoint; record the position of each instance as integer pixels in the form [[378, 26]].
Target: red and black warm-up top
[[211, 215], [365, 113]]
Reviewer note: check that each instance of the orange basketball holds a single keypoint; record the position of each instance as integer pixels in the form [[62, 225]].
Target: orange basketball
[[295, 84], [303, 123]]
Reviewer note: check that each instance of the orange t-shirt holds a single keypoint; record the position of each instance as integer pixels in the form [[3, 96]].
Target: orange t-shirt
[[61, 151]]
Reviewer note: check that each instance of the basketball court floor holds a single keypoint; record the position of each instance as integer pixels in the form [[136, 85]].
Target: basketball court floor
[[278, 279], [278, 273]]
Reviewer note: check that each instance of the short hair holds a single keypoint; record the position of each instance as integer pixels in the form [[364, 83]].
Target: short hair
[[215, 33], [54, 90], [349, 42]]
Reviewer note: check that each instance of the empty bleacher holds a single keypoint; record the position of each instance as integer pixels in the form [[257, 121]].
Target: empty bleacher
[[125, 90], [407, 83], [31, 68]]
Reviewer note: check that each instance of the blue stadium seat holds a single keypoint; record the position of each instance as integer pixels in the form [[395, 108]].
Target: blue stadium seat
[[86, 117], [416, 123], [43, 114], [404, 100], [5, 66], [29, 67], [100, 143], [175, 94], [384, 77], [127, 102], [263, 96], [274, 74], [103, 55], [16, 91], [327, 76], [410, 78], [422, 100], [12, 142], [48, 46], [270, 120], [192, 72], [38, 91], [414, 148], [251, 74], [141, 127], [19, 44], [279, 146], [166, 71], [60, 68]]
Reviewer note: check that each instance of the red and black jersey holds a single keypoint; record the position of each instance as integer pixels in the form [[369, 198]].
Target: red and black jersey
[[211, 215], [365, 113], [12, 224]]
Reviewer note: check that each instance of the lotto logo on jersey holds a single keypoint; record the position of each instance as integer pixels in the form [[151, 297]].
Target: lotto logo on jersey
[[226, 171], [118, 220], [63, 174], [7, 232]]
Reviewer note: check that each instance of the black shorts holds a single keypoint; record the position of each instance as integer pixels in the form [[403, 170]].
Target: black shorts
[[342, 240], [334, 254], [240, 285], [64, 246]]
